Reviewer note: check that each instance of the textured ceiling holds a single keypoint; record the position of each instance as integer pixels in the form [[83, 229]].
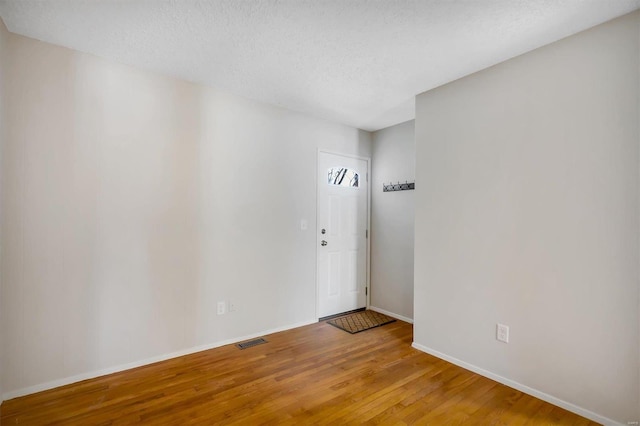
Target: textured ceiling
[[358, 62]]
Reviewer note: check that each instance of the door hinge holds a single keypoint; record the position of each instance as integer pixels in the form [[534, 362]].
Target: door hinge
[[366, 291], [366, 233]]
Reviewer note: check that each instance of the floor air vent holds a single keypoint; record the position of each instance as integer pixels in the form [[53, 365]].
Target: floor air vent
[[251, 343]]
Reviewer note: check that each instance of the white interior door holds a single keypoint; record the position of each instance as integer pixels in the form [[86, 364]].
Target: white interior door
[[342, 233]]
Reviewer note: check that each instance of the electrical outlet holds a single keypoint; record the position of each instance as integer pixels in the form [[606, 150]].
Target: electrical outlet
[[222, 308], [502, 333], [232, 307]]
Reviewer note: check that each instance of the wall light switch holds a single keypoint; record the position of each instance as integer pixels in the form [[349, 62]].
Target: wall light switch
[[222, 308], [502, 333], [304, 225]]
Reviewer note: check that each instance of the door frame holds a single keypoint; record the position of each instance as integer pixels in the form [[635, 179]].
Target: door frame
[[368, 237]]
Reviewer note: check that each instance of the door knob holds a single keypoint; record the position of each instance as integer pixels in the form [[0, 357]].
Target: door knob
[[323, 243]]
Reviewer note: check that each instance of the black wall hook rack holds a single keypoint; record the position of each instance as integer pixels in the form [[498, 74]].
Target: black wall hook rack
[[398, 186]]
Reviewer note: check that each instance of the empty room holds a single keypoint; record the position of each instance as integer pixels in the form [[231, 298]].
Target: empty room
[[319, 212]]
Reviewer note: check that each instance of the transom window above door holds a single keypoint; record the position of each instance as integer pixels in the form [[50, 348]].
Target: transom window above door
[[342, 176]]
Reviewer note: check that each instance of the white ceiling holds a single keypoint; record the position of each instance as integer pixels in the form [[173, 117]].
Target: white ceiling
[[357, 62]]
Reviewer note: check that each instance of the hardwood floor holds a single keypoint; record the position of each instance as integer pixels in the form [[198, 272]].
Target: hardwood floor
[[316, 374]]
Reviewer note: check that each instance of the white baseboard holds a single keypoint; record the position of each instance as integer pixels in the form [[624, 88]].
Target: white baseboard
[[518, 386], [115, 369], [391, 314]]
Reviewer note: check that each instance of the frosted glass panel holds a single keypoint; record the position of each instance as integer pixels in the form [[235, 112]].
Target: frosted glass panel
[[341, 176]]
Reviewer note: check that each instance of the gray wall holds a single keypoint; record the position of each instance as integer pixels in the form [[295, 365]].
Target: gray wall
[[4, 35], [392, 220], [134, 202], [527, 215]]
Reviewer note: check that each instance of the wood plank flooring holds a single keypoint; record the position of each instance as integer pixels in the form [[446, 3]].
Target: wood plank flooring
[[316, 374]]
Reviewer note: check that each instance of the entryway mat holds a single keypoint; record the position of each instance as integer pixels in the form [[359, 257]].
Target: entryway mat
[[360, 321]]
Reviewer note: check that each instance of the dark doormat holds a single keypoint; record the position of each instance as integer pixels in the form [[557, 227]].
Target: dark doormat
[[360, 321]]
